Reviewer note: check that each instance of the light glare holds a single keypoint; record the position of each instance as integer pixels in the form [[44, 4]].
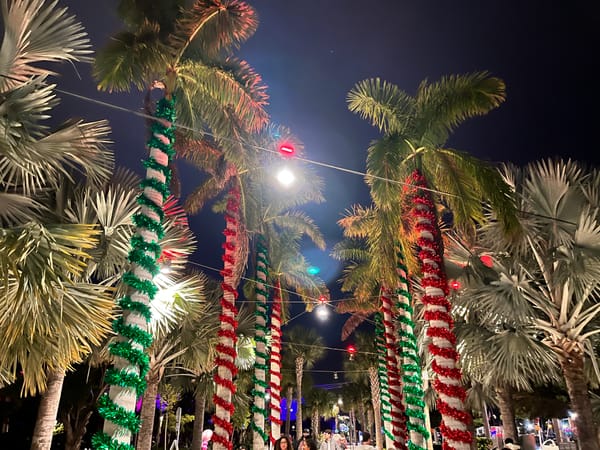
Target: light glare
[[285, 177]]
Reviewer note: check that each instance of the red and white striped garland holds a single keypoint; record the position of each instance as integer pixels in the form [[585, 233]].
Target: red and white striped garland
[[397, 411], [226, 351], [455, 418], [275, 365]]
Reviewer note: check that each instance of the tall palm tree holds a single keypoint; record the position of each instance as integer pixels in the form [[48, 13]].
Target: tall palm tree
[[415, 131], [318, 401], [306, 347], [166, 46], [551, 274]]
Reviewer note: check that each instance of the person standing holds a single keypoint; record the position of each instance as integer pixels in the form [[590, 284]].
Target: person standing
[[327, 443], [366, 442]]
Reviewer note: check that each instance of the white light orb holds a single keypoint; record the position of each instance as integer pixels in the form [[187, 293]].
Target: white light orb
[[285, 177]]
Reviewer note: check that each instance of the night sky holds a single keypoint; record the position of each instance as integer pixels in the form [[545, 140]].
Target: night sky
[[310, 54]]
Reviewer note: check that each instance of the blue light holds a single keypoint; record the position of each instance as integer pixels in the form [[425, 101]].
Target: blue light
[[313, 270]]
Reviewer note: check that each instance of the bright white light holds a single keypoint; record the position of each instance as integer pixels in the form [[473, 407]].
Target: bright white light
[[322, 312], [573, 415], [285, 176], [340, 401]]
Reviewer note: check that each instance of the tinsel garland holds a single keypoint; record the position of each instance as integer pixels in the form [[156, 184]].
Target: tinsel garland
[[127, 378], [386, 406], [412, 386], [275, 365], [259, 410], [397, 411], [227, 338], [455, 418]]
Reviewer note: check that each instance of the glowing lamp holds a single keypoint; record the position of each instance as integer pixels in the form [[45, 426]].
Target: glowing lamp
[[286, 149], [322, 299], [455, 284], [351, 351], [285, 177], [487, 260]]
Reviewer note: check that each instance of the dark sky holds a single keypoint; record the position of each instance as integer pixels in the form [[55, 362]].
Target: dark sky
[[310, 54]]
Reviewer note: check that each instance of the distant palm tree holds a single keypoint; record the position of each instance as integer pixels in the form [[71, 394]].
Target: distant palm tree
[[415, 131], [306, 347], [318, 401], [363, 368]]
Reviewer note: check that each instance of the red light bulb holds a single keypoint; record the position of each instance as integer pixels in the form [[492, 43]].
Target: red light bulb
[[322, 299], [487, 260], [286, 149], [455, 284]]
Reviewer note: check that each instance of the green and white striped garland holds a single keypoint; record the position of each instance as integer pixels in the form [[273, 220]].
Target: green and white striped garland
[[386, 406], [127, 377], [412, 385], [259, 407]]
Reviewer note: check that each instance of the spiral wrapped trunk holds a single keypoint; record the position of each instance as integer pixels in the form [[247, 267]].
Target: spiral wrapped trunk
[[227, 337], [275, 365], [447, 383]]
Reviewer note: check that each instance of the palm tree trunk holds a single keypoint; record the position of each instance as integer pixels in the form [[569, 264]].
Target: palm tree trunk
[[288, 413], [397, 410], [47, 411], [314, 422], [199, 408], [572, 368], [448, 385], [299, 373], [144, 438], [259, 410], [76, 426], [507, 411], [376, 399], [125, 378], [275, 365], [225, 361], [362, 412], [383, 382], [371, 420], [486, 420], [412, 386]]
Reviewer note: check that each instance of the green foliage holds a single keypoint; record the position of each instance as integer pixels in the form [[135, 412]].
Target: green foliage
[[484, 443]]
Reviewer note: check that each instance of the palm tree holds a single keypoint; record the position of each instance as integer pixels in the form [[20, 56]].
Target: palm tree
[[363, 368], [415, 131], [171, 48], [318, 401], [306, 347], [551, 274], [34, 162], [500, 350]]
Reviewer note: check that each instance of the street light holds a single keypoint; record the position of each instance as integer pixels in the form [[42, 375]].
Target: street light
[[322, 312], [285, 176]]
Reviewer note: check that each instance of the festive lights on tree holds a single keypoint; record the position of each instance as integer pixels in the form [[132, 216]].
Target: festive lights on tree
[[226, 350], [397, 411], [386, 406], [127, 377], [448, 385], [412, 384], [275, 365], [259, 408]]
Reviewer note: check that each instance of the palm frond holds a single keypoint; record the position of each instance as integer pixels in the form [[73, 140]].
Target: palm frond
[[131, 58], [445, 104], [302, 224], [212, 26], [383, 104], [17, 209], [37, 31]]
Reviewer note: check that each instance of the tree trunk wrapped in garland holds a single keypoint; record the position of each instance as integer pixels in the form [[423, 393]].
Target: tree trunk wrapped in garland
[[259, 409], [275, 365], [127, 377], [412, 385], [226, 350], [397, 410], [448, 385], [386, 406]]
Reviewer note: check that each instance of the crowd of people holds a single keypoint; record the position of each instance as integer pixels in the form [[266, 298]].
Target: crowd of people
[[329, 441]]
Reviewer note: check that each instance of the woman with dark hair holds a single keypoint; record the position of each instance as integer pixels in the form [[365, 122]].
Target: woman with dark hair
[[283, 443]]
